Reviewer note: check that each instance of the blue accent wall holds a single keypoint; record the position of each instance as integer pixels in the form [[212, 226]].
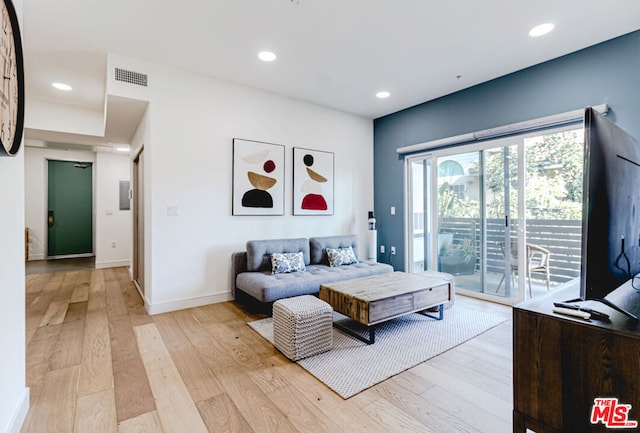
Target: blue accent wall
[[605, 73]]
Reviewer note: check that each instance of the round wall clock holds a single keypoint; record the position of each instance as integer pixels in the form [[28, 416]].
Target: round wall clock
[[12, 90]]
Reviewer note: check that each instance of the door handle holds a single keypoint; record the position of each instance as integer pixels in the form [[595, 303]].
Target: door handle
[[50, 218]]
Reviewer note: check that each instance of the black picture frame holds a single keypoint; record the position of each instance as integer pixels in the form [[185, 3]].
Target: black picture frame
[[313, 182], [258, 178]]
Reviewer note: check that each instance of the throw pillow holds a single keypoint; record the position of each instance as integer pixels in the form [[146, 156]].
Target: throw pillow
[[287, 262], [341, 256]]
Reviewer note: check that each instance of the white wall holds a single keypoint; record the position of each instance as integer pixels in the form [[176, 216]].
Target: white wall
[[14, 396], [113, 226], [108, 170], [188, 154]]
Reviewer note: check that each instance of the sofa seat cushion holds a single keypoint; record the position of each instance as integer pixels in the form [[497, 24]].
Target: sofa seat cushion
[[326, 274], [267, 287]]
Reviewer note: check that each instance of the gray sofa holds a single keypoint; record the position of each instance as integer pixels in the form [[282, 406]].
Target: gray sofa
[[253, 281]]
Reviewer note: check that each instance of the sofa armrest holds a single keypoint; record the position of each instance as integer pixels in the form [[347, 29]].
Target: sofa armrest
[[238, 265]]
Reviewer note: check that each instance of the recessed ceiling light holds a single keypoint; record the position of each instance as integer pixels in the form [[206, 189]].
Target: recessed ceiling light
[[383, 94], [266, 56], [540, 30], [62, 86]]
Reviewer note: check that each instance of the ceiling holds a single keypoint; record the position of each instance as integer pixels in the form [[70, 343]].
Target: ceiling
[[334, 53]]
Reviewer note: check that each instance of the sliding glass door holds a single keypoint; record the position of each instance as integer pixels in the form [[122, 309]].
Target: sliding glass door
[[553, 211], [420, 226], [501, 223], [460, 218], [464, 212], [469, 212]]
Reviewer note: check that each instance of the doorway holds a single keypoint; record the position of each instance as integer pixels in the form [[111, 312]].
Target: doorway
[[69, 209], [138, 221]]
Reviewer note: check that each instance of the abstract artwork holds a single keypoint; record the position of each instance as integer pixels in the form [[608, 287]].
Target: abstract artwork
[[312, 182], [258, 178]]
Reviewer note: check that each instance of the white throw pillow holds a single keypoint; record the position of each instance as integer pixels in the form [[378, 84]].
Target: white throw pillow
[[341, 256], [287, 262]]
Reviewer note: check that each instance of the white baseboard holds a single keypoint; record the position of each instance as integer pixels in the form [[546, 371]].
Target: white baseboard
[[15, 424], [36, 257], [113, 264], [181, 304]]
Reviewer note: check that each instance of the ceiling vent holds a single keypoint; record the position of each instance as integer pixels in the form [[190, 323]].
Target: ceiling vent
[[131, 77]]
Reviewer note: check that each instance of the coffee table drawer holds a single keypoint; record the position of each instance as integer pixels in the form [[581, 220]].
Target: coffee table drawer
[[431, 296], [390, 307]]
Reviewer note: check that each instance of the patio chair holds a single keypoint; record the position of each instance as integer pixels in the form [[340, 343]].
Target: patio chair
[[537, 261], [513, 262]]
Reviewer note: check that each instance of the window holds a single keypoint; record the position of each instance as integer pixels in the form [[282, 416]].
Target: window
[[450, 168]]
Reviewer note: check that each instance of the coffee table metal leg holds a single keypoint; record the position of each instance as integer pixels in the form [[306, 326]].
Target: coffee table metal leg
[[346, 330], [440, 313], [372, 329]]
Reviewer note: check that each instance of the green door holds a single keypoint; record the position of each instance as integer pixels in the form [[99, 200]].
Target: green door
[[70, 208]]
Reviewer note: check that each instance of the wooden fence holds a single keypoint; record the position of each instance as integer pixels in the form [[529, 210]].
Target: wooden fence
[[561, 237]]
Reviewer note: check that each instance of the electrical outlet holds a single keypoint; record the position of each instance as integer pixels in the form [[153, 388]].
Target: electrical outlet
[[113, 244], [381, 249], [393, 251]]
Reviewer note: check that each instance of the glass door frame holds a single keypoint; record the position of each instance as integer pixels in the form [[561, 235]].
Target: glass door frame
[[431, 221], [428, 203]]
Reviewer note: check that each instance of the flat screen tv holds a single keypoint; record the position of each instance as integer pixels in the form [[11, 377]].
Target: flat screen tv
[[611, 209]]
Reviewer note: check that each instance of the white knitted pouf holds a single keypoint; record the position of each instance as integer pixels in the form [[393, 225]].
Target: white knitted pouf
[[302, 326]]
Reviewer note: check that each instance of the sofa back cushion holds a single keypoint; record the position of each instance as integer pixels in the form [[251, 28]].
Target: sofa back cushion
[[259, 252], [318, 246]]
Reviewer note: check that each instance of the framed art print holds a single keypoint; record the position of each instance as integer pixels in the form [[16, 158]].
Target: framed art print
[[258, 178], [312, 182]]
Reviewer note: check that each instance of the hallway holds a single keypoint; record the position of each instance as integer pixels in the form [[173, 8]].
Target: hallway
[[59, 265]]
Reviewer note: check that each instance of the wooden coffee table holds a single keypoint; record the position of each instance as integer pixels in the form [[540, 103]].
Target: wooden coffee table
[[374, 300]]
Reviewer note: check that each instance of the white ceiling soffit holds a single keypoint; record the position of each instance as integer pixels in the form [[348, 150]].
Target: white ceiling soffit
[[123, 117]]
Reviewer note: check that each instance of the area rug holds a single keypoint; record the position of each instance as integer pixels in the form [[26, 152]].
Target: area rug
[[352, 366]]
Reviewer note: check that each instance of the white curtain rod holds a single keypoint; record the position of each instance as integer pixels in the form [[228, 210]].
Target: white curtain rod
[[501, 131]]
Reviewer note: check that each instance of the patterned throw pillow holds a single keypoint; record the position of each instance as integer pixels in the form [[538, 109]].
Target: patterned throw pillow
[[341, 256], [287, 262]]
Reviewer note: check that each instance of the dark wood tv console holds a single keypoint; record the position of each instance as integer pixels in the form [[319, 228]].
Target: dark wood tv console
[[561, 364]]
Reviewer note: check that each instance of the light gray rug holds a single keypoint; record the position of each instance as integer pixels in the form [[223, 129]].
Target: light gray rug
[[353, 366]]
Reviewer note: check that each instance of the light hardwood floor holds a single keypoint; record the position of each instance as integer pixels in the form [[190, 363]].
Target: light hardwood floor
[[96, 362]]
